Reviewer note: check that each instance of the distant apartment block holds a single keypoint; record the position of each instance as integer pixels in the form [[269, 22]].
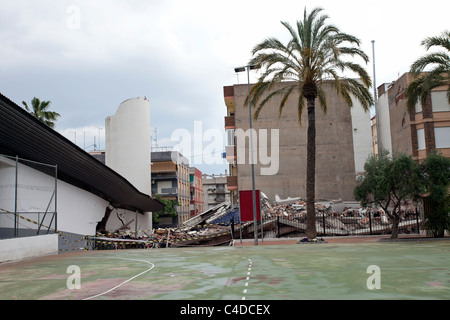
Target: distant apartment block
[[215, 190], [196, 191], [170, 179]]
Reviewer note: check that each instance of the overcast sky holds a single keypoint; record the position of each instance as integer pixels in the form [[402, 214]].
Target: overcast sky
[[87, 57]]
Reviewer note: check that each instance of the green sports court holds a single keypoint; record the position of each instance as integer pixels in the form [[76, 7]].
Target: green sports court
[[322, 271]]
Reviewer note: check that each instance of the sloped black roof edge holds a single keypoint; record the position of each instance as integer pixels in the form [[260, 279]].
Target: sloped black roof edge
[[23, 135]]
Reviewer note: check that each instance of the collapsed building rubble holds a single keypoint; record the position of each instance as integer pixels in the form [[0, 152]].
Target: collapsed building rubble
[[280, 218], [335, 217], [212, 227]]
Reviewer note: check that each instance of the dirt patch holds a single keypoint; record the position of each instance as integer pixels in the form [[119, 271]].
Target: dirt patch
[[87, 289]]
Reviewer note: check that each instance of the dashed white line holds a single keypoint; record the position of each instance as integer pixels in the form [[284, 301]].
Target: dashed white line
[[247, 278]]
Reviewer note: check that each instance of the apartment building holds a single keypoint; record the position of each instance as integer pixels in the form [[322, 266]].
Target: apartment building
[[170, 179], [196, 191], [416, 133], [215, 190], [343, 142]]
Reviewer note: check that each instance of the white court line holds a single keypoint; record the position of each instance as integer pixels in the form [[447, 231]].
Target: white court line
[[248, 278], [126, 281]]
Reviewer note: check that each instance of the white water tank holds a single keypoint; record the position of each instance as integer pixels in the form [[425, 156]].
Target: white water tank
[[128, 143]]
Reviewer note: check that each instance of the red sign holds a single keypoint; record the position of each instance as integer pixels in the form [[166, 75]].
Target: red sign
[[246, 205]]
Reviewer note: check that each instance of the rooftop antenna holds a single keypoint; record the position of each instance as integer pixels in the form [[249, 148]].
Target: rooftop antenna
[[155, 139], [99, 137]]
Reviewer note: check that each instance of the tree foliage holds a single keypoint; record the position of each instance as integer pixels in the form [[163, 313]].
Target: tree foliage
[[316, 51], [388, 182], [40, 110], [439, 74], [169, 208], [436, 170]]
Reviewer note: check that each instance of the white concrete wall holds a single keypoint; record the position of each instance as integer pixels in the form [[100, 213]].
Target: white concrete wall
[[78, 211], [34, 193], [128, 144], [28, 247], [362, 135], [384, 123]]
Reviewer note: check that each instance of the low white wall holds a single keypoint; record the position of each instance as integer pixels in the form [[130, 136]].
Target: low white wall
[[28, 247]]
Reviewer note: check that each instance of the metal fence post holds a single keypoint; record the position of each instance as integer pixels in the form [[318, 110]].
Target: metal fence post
[[323, 221], [417, 221], [16, 222], [278, 227]]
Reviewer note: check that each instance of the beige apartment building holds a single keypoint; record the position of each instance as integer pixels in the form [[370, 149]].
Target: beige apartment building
[[416, 133], [344, 141], [170, 179]]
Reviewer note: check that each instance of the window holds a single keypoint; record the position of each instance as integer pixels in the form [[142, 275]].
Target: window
[[439, 101], [442, 137], [421, 139], [418, 107], [230, 137]]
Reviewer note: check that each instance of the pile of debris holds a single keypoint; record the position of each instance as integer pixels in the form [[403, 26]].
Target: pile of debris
[[283, 217], [211, 227], [335, 217]]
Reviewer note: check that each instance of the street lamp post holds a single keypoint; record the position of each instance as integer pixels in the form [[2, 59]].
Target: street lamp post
[[255, 222]]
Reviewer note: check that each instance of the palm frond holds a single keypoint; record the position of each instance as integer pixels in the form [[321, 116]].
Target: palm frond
[[440, 41], [26, 106], [300, 105], [315, 51], [39, 109], [437, 58], [322, 99], [439, 75]]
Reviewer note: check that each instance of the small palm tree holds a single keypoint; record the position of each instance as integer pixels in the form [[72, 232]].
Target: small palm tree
[[439, 75], [315, 52], [40, 111]]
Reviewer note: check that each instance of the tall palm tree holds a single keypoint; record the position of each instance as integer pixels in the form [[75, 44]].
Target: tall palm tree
[[40, 111], [439, 75], [315, 52]]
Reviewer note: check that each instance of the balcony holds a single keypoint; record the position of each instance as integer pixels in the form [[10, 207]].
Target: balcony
[[230, 153], [219, 199], [230, 122], [168, 191], [232, 183], [220, 191]]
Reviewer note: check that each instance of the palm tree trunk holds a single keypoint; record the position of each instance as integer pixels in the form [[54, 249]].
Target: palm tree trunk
[[311, 171]]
